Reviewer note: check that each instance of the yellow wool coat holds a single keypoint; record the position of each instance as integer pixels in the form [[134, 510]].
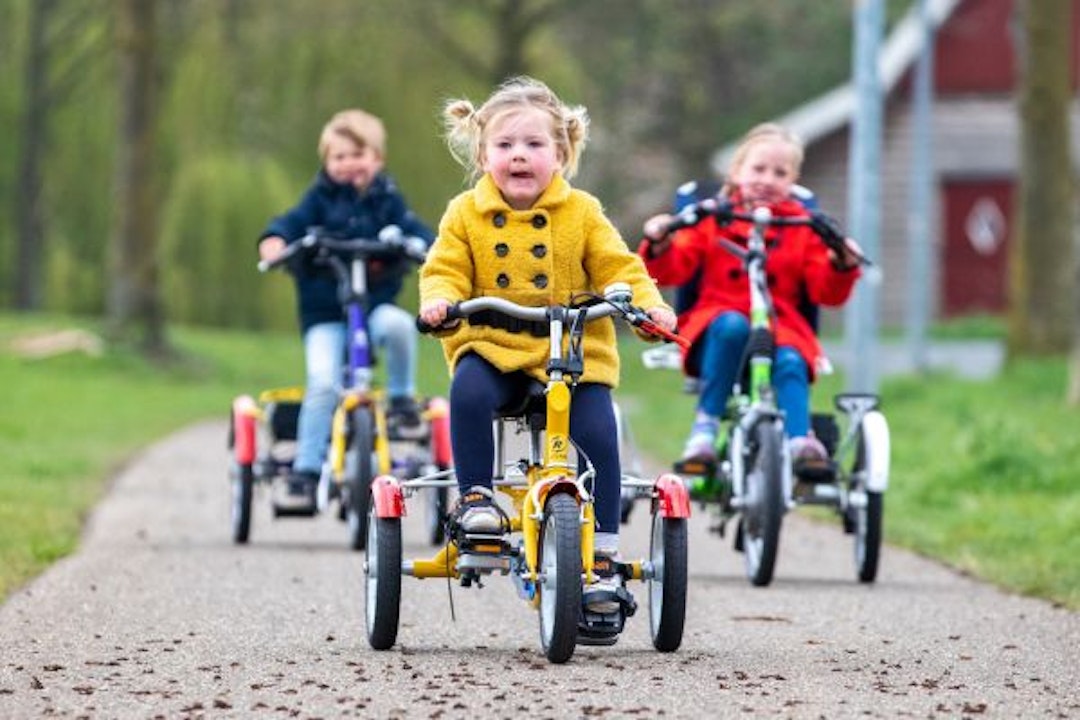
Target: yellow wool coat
[[561, 246]]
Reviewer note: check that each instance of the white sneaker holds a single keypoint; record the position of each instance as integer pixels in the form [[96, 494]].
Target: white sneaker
[[807, 448], [477, 513], [601, 595], [701, 445]]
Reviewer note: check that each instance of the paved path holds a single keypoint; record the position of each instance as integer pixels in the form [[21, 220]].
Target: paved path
[[159, 615]]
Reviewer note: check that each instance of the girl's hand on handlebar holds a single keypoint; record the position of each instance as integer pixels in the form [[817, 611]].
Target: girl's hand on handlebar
[[433, 312], [661, 324], [656, 232], [270, 247], [850, 255], [662, 317]]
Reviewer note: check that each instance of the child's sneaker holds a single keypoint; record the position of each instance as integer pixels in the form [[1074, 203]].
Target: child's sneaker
[[701, 445], [477, 513], [810, 460], [602, 595], [807, 448], [403, 419]]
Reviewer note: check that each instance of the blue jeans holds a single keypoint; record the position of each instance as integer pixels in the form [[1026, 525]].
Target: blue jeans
[[721, 354], [393, 331], [479, 389]]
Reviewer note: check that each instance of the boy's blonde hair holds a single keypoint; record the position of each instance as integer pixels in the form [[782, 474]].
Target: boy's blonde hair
[[361, 127], [765, 132], [467, 126]]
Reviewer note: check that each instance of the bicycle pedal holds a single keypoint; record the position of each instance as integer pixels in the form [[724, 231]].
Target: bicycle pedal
[[815, 472], [600, 628], [484, 553], [695, 466], [484, 545]]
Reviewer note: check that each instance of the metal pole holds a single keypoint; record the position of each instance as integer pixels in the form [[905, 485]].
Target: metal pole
[[919, 207], [864, 193]]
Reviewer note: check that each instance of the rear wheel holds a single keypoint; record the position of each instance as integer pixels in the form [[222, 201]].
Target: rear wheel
[[866, 517], [243, 482], [667, 585], [437, 501], [559, 584], [763, 510], [382, 579], [358, 485]]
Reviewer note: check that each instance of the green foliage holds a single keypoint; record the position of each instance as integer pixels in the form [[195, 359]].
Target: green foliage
[[219, 206], [247, 83]]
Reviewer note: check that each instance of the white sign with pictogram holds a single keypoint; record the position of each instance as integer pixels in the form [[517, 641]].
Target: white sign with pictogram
[[985, 226]]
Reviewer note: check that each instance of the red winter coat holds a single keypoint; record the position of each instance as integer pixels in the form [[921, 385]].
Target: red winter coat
[[797, 258]]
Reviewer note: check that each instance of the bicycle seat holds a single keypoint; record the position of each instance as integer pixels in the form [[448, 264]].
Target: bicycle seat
[[532, 405]]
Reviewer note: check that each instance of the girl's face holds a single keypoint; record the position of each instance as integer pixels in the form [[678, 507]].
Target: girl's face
[[768, 171], [347, 162], [519, 152]]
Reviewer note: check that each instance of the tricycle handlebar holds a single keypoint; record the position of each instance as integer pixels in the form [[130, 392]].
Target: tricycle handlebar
[[390, 243], [824, 226], [616, 300]]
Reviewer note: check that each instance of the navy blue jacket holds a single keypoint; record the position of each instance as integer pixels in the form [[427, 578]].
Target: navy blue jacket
[[343, 212]]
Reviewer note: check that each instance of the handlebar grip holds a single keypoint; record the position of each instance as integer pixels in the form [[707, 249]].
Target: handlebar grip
[[453, 314]]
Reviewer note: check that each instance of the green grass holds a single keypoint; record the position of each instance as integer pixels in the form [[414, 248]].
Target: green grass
[[70, 421], [982, 472]]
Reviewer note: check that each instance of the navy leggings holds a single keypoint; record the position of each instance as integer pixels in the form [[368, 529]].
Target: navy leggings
[[479, 389]]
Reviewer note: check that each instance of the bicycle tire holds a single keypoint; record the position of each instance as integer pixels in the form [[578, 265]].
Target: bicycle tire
[[559, 585], [763, 511], [667, 585], [358, 486], [437, 502], [243, 483], [866, 520], [382, 580]]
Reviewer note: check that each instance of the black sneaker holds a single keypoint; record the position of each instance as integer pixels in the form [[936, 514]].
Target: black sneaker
[[403, 419], [299, 493]]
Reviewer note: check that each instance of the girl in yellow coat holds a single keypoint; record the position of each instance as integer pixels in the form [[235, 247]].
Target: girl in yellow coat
[[524, 234]]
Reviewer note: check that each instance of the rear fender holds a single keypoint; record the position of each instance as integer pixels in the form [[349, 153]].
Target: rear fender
[[389, 500], [245, 415], [876, 446], [672, 497], [438, 412]]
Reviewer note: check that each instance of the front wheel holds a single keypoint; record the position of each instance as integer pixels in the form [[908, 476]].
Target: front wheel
[[358, 485], [243, 482], [382, 579], [667, 583], [763, 508], [559, 584]]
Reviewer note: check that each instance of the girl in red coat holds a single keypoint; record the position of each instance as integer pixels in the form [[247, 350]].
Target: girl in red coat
[[763, 170]]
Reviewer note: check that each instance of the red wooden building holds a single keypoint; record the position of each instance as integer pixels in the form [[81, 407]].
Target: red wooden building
[[975, 129]]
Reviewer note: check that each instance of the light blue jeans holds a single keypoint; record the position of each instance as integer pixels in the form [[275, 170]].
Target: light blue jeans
[[724, 341], [392, 331]]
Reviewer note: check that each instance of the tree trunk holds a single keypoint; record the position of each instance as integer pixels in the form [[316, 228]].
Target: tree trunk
[[29, 278], [133, 305], [1042, 305]]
